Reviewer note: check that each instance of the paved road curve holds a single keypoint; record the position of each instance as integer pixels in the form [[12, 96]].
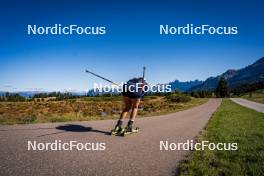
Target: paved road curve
[[136, 154], [250, 104]]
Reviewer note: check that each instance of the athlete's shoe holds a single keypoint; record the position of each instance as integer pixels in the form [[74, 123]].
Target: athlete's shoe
[[128, 129], [117, 130]]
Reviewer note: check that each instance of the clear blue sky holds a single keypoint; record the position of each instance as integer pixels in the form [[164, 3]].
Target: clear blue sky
[[132, 40]]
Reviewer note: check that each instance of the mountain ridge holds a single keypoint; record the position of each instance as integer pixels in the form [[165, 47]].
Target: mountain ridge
[[250, 74]]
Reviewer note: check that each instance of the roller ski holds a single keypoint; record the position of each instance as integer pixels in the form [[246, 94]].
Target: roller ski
[[128, 131], [119, 131]]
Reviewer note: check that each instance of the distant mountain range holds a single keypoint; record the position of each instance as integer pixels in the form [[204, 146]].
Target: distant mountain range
[[184, 86], [253, 73]]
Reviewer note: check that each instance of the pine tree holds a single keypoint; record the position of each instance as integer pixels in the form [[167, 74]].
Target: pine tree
[[222, 88]]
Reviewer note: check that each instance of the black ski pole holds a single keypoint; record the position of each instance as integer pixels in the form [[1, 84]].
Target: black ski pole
[[87, 71], [144, 69]]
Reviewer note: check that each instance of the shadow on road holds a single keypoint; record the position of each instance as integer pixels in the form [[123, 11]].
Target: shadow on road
[[63, 128], [75, 128]]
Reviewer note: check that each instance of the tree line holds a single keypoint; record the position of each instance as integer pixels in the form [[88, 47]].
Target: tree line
[[222, 90], [13, 97]]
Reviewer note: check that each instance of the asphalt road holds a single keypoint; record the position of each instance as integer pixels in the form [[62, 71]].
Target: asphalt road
[[137, 154], [249, 104]]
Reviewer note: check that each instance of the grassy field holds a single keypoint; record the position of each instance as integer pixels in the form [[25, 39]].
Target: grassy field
[[87, 108], [230, 123], [257, 96]]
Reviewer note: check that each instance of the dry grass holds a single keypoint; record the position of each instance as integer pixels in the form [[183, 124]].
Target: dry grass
[[95, 108], [257, 96]]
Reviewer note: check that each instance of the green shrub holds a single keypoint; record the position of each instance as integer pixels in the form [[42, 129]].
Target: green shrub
[[178, 98]]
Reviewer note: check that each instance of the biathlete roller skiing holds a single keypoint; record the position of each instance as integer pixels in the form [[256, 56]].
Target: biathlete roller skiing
[[132, 92]]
